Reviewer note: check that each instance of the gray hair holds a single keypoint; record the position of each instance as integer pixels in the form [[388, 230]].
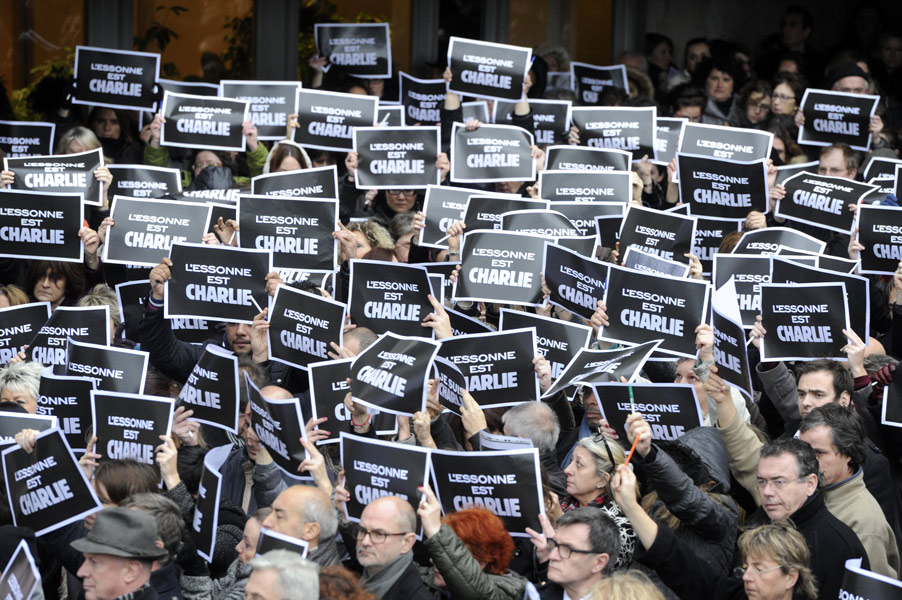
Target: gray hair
[[103, 295], [319, 509], [298, 577], [170, 525], [22, 377], [534, 421]]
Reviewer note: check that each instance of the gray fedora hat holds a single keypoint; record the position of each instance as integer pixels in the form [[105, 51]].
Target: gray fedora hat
[[122, 532]]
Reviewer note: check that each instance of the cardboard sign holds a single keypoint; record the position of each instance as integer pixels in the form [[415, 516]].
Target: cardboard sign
[[558, 341], [46, 487], [576, 282], [891, 410], [550, 119], [546, 223], [822, 200], [269, 102], [477, 109], [667, 235], [279, 425], [461, 324], [204, 123], [671, 409], [79, 323], [497, 366], [769, 240], [837, 117], [861, 583], [582, 158], [451, 384], [422, 99], [484, 212], [144, 181], [443, 207], [329, 118], [112, 369], [650, 263], [146, 229], [491, 153], [205, 520], [487, 69], [320, 182], [298, 232], [389, 297], [878, 167], [12, 423], [21, 576], [804, 321], [669, 130], [880, 231], [358, 49], [602, 366], [69, 400], [732, 143], [582, 214], [217, 282], [19, 326], [586, 186], [506, 482], [730, 354], [59, 174], [619, 128], [375, 468], [747, 272], [709, 233], [784, 172], [723, 188], [588, 81], [26, 138], [129, 425], [391, 158], [272, 540], [41, 225], [302, 326], [500, 266], [115, 78], [643, 307], [391, 115], [211, 390]]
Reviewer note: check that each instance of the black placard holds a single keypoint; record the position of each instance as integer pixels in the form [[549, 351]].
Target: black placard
[[443, 206], [205, 519], [46, 487], [115, 78], [302, 326], [21, 575], [484, 212], [597, 366], [59, 174], [586, 186], [146, 229], [129, 425], [822, 200], [668, 235], [784, 172], [272, 540], [607, 228], [422, 99], [670, 409], [576, 282], [878, 167], [497, 366], [202, 122], [880, 231], [728, 189], [358, 49], [487, 69], [329, 118], [79, 323], [559, 341], [643, 307], [279, 425], [837, 117], [748, 273], [730, 355], [19, 326], [804, 321], [451, 384], [374, 468], [867, 585], [629, 128], [112, 369], [891, 410], [389, 114], [269, 103], [144, 181], [770, 239], [550, 119], [26, 138], [582, 214], [506, 482], [392, 158], [588, 81], [389, 297], [500, 266], [297, 231], [211, 390], [41, 225], [547, 223], [669, 130], [321, 182], [734, 143], [69, 400], [582, 158], [13, 423], [461, 324], [709, 233], [651, 263], [217, 282], [491, 153]]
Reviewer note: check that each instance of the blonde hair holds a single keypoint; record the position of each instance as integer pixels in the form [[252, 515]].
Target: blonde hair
[[103, 295], [596, 446], [14, 294], [377, 235], [626, 585], [82, 135], [781, 542]]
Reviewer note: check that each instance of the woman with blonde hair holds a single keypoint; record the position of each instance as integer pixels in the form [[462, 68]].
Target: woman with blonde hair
[[626, 585]]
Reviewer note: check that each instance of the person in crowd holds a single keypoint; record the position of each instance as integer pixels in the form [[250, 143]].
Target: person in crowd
[[306, 512], [114, 131], [754, 106], [720, 77], [696, 50], [788, 89], [687, 102], [12, 295], [171, 531], [20, 383], [280, 574], [626, 585], [659, 56]]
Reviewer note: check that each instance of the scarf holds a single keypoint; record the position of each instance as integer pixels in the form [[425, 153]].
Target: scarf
[[382, 581], [325, 554]]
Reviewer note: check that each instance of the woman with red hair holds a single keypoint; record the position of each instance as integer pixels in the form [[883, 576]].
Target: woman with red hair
[[470, 551]]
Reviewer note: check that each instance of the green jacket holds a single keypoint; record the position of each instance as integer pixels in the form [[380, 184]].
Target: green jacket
[[159, 157]]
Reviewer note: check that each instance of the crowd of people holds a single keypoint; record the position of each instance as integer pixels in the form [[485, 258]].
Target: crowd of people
[[767, 500]]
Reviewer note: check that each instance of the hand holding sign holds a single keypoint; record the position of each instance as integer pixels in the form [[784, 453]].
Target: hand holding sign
[[88, 461], [430, 512], [637, 428], [719, 390], [472, 417]]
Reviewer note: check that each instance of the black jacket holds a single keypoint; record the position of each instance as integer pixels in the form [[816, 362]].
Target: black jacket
[[409, 586]]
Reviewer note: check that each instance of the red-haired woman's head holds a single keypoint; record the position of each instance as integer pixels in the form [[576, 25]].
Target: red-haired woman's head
[[484, 535]]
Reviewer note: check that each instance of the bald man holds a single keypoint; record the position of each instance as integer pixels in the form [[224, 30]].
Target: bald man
[[306, 512]]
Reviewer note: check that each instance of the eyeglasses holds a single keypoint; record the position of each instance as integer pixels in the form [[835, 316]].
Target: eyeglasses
[[778, 482], [401, 192], [377, 537], [782, 97], [755, 572], [762, 106], [600, 437], [564, 550]]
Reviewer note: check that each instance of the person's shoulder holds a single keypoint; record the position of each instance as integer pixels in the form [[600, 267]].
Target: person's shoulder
[[548, 590], [409, 586]]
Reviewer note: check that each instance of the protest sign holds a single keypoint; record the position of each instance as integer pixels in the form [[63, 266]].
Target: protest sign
[[784, 172], [638, 260], [443, 207], [582, 158], [506, 482], [583, 245], [129, 425], [476, 109], [558, 341], [491, 153], [487, 69], [461, 324], [546, 223], [205, 520], [550, 119], [279, 426], [724, 188], [329, 118], [668, 235], [709, 233], [880, 231], [886, 186], [422, 99], [396, 158], [861, 584], [302, 326], [822, 201], [585, 186], [144, 181], [203, 122], [319, 182], [112, 369], [576, 282], [630, 128], [491, 441], [269, 103], [79, 323], [391, 115], [878, 167], [748, 272], [389, 297], [805, 321], [451, 384], [328, 388], [769, 240], [69, 400], [21, 575], [837, 117], [484, 211], [588, 81], [115, 78], [731, 143], [601, 366], [46, 487], [211, 390], [730, 354], [41, 225], [298, 231], [12, 423], [217, 282], [497, 366], [670, 409], [63, 174], [582, 214], [500, 266], [667, 138], [821, 261], [891, 409], [358, 49], [273, 540], [644, 307], [146, 229], [131, 298], [26, 138], [19, 326], [607, 228], [375, 468]]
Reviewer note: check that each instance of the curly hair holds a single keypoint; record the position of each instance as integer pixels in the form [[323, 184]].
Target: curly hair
[[484, 535], [377, 235], [338, 583]]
